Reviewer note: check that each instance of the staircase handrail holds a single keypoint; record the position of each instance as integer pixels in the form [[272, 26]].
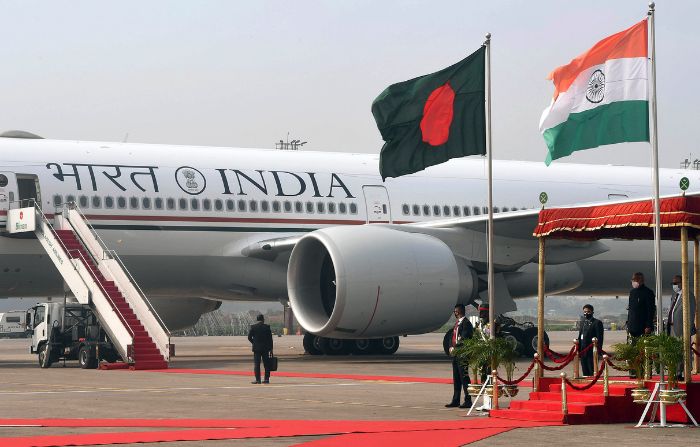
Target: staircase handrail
[[46, 220], [113, 254]]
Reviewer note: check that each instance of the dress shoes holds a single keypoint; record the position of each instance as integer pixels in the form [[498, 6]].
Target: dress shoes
[[255, 382], [466, 405], [265, 381], [452, 405]]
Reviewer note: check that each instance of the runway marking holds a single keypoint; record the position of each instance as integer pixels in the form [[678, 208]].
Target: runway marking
[[257, 387]]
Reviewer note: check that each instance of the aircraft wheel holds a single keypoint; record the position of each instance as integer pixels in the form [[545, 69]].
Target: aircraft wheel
[[310, 344], [388, 345], [334, 346], [530, 341], [362, 346], [515, 336], [447, 341]]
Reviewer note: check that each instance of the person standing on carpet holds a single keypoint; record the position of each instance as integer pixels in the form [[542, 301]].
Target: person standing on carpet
[[640, 311], [674, 321], [460, 374], [590, 328], [260, 336]]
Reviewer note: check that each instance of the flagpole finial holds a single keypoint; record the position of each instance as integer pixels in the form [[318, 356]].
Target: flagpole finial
[[488, 36], [652, 5]]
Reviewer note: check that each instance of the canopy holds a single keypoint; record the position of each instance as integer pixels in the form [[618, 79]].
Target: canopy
[[633, 220]]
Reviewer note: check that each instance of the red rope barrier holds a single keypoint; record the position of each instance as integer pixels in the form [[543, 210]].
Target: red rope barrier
[[583, 388], [694, 350], [585, 350], [568, 356], [515, 382], [547, 350], [555, 368], [612, 365]]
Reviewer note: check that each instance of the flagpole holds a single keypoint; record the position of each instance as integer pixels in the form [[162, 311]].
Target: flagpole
[[657, 204], [489, 156]]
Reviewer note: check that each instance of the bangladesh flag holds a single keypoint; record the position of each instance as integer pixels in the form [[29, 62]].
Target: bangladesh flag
[[430, 119]]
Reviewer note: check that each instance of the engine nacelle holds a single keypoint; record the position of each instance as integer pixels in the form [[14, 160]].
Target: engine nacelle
[[372, 281]]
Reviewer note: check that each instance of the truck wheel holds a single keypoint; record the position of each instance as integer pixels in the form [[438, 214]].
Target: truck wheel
[[310, 344], [388, 345], [44, 356], [447, 341], [85, 359]]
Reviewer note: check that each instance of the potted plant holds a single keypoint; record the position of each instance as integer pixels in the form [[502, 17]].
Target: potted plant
[[469, 351], [508, 355], [631, 358], [668, 350], [494, 353]]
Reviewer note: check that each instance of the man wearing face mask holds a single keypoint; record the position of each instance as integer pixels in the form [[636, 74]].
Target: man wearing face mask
[[590, 328], [674, 322], [641, 309]]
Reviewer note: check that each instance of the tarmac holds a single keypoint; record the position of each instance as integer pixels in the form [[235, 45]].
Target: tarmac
[[29, 392]]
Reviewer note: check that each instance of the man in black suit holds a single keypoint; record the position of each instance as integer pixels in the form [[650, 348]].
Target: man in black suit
[[642, 307], [460, 373], [590, 328], [260, 336]]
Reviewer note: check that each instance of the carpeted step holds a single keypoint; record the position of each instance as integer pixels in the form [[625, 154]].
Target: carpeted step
[[540, 416], [577, 397], [147, 357], [550, 405], [140, 349], [613, 390], [149, 365]]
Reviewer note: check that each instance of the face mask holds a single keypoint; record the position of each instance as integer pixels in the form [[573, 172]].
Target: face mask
[[635, 284], [676, 288], [588, 316]]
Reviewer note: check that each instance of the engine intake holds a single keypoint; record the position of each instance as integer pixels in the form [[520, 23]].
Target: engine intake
[[372, 281]]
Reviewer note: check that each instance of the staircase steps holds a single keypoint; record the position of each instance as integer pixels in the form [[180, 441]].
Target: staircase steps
[[145, 353]]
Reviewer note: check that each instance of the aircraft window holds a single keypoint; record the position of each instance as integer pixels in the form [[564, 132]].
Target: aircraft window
[[331, 207], [253, 205], [241, 205], [146, 203], [182, 204], [436, 210], [309, 207], [467, 211], [416, 210], [171, 203], [276, 206], [287, 206], [353, 208], [84, 202], [206, 204], [70, 199], [265, 206], [298, 207], [3, 181], [194, 204], [320, 207], [445, 210], [405, 209], [57, 201], [230, 206], [134, 203], [426, 210], [342, 208], [477, 211], [218, 205], [485, 209], [121, 203], [109, 202], [158, 203], [456, 210], [96, 201]]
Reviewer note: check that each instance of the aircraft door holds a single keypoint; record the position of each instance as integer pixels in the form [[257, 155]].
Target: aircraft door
[[8, 193], [377, 203], [28, 191]]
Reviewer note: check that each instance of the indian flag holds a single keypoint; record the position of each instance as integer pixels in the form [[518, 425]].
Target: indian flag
[[601, 97]]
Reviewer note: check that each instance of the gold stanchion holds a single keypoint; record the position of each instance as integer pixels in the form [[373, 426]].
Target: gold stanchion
[[494, 385], [564, 405], [576, 366], [595, 354], [606, 376], [686, 304], [536, 377], [696, 287], [540, 301], [647, 361]]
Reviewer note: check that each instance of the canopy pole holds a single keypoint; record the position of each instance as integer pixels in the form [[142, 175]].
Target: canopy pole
[[686, 304], [540, 303], [696, 293], [489, 154]]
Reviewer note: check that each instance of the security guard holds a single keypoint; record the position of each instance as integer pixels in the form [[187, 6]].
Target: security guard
[[590, 328]]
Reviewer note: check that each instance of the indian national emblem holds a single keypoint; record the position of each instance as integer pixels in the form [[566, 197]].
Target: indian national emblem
[[189, 175], [596, 87]]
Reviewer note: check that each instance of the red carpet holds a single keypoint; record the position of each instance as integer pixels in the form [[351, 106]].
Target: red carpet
[[366, 433]]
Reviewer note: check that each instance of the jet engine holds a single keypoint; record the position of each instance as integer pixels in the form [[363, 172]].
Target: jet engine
[[372, 281]]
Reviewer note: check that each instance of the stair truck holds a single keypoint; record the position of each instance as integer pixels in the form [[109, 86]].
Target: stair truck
[[69, 331]]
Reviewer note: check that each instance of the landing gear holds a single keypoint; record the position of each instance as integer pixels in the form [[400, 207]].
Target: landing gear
[[310, 344], [316, 345], [515, 336], [388, 345], [362, 346], [334, 346], [530, 341]]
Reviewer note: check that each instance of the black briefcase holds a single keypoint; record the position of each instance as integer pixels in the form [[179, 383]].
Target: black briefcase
[[273, 363]]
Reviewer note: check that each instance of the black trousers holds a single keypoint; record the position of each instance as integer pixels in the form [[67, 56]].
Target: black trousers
[[265, 356], [587, 364], [460, 378]]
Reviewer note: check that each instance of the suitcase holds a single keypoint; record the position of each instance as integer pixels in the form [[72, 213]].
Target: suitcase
[[273, 363]]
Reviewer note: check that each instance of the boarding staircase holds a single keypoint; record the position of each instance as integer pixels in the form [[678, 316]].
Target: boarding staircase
[[97, 277]]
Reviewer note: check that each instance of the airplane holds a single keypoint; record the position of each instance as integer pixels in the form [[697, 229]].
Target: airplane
[[357, 259]]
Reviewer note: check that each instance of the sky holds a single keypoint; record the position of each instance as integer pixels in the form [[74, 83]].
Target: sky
[[247, 74]]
